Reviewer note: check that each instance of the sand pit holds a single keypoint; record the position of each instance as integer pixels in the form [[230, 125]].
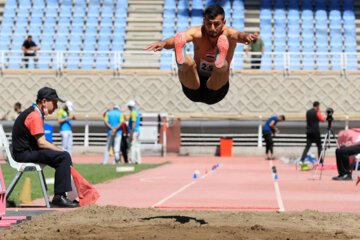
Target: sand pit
[[111, 222]]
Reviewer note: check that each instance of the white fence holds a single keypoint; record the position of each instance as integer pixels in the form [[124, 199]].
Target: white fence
[[286, 61]]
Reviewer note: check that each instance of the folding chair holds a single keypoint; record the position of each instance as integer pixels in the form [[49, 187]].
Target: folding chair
[[21, 168]]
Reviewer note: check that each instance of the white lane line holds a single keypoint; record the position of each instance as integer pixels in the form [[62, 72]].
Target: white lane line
[[277, 190], [173, 194], [183, 188]]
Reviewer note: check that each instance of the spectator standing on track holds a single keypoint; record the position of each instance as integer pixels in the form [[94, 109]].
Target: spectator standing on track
[[256, 46], [269, 131], [134, 131], [65, 119], [313, 117], [113, 120], [29, 144], [17, 109], [29, 48]]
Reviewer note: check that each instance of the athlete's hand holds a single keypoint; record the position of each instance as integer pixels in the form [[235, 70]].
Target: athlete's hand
[[157, 46], [249, 38]]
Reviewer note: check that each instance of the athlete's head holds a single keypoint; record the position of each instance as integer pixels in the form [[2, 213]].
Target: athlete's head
[[214, 20]]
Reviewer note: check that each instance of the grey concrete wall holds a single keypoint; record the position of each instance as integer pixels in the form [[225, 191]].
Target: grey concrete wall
[[251, 92]]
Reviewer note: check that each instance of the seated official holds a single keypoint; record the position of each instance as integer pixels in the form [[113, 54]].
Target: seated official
[[30, 145], [342, 159]]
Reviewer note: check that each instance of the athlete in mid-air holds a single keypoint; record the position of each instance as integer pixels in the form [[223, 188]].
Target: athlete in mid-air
[[205, 78]]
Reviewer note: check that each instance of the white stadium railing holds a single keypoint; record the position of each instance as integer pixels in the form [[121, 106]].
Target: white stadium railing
[[285, 61]]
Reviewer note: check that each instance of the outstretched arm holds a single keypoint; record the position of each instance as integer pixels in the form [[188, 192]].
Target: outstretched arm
[[245, 38], [169, 43]]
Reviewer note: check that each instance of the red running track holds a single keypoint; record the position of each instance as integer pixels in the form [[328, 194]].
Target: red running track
[[239, 183]]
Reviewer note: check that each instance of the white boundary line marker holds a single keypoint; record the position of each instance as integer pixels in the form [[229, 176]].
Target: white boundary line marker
[[183, 188], [277, 190]]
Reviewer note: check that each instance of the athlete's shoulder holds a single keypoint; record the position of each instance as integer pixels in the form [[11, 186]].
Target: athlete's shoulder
[[230, 32]]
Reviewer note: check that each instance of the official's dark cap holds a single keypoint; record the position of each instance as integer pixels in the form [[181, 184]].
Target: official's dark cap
[[48, 93]]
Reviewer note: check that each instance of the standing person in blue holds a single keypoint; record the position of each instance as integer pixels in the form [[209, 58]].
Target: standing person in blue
[[113, 120], [65, 120], [268, 131], [134, 131]]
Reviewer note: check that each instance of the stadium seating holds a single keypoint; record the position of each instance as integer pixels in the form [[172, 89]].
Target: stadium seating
[[321, 29]]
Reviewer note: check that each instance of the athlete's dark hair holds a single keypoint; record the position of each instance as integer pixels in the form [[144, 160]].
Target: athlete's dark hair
[[283, 117], [213, 11], [18, 104], [316, 104]]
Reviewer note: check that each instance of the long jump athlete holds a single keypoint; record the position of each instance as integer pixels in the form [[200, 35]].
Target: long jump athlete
[[206, 77]]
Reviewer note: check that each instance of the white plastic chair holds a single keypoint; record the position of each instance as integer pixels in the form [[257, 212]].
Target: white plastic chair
[[357, 158], [21, 168]]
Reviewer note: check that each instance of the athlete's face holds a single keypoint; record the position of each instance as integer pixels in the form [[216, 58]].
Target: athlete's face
[[213, 27]]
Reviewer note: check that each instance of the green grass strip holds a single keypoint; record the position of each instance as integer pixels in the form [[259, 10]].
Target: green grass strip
[[93, 173]]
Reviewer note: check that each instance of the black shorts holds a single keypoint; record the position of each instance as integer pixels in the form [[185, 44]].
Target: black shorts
[[205, 95]]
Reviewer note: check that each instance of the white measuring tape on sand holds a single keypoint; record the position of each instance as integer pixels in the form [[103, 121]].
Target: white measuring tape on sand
[[182, 189], [277, 190]]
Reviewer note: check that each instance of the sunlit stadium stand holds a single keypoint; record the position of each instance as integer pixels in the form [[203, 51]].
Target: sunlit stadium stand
[[104, 34]]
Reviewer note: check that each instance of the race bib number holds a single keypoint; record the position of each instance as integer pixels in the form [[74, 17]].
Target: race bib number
[[205, 67]]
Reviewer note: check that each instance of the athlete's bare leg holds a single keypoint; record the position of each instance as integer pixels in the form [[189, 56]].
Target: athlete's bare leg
[[188, 75], [219, 77]]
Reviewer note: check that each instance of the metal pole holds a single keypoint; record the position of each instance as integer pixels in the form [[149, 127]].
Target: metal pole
[[260, 133], [347, 123], [86, 136], [164, 137]]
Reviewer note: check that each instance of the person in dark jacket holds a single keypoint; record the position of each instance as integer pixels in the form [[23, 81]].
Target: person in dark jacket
[[313, 117]]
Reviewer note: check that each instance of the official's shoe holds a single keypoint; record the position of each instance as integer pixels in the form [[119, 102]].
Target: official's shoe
[[61, 201], [304, 167], [345, 177], [180, 53], [222, 49]]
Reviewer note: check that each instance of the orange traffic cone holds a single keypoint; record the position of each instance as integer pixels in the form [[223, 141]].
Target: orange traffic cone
[[25, 195]]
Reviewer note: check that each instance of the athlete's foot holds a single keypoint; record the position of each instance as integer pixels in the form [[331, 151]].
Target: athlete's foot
[[222, 48], [180, 40]]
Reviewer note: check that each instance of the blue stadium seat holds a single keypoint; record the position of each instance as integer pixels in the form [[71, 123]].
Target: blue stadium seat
[[308, 57], [265, 4], [75, 46], [79, 12], [102, 59], [77, 21], [4, 46], [293, 5], [93, 12], [46, 46], [39, 4], [306, 4], [351, 61], [8, 22], [197, 4], [50, 21], [37, 13], [105, 30], [75, 39], [265, 14], [169, 5], [238, 23], [279, 4], [15, 59], [183, 17], [238, 6], [9, 12], [51, 11], [294, 61], [166, 60], [22, 21], [87, 61], [183, 4], [81, 3], [65, 11], [106, 21], [121, 12], [73, 61], [23, 12], [11, 3], [320, 15], [107, 12], [348, 5], [77, 30], [266, 62], [92, 21], [320, 4], [293, 15], [118, 46]]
